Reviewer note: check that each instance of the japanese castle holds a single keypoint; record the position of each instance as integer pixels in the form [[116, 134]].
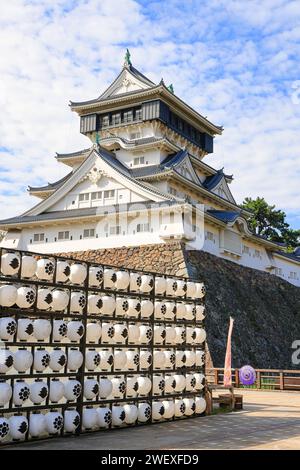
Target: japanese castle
[[143, 180]]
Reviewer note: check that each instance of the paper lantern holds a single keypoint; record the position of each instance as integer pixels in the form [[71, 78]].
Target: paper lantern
[[29, 265], [118, 415], [200, 381], [147, 308], [25, 329], [18, 426], [191, 289], [190, 406], [170, 359], [44, 299], [159, 334], [180, 334], [120, 359], [145, 359], [78, 302], [71, 420], [54, 422], [6, 360], [132, 386], [106, 360], [60, 300], [131, 413], [93, 332], [45, 269], [200, 336], [108, 333], [170, 384], [118, 387], [4, 429], [56, 390], [37, 424], [122, 280], [144, 412], [180, 359], [105, 387], [26, 296], [146, 334], [75, 330], [95, 276], [190, 358], [58, 360], [78, 273], [41, 329], [108, 305], [171, 287], [200, 290], [133, 333], [5, 393], [169, 407], [180, 311], [170, 310], [8, 328], [158, 384], [190, 382], [91, 388], [21, 392], [75, 359], [132, 359], [121, 333], [190, 311], [135, 282], [200, 312], [92, 359], [134, 308], [122, 306], [179, 407], [147, 283], [190, 335], [158, 410], [159, 359], [160, 285], [41, 360], [200, 405], [170, 335], [60, 329], [63, 271], [180, 382], [10, 264], [200, 357], [104, 417], [144, 385], [159, 310], [90, 418], [110, 278], [22, 360], [8, 295], [72, 389], [94, 304], [38, 392]]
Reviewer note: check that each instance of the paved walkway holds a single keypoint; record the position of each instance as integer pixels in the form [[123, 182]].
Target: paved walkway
[[270, 420]]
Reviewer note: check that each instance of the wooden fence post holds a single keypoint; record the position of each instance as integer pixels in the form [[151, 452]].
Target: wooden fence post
[[237, 378], [216, 377], [281, 381], [258, 379]]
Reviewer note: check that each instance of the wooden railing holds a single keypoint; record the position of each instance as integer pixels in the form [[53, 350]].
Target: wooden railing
[[268, 379]]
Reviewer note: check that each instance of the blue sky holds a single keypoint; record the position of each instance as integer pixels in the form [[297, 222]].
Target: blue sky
[[235, 61]]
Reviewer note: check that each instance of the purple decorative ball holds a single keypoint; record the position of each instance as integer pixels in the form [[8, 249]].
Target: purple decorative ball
[[247, 375]]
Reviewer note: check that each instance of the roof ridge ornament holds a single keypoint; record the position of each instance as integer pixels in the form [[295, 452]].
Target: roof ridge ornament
[[127, 62], [171, 88]]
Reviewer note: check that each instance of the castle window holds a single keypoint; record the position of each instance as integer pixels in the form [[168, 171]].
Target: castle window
[[143, 228], [89, 233], [64, 235], [138, 114], [115, 118], [115, 230], [278, 271], [105, 120], [246, 249], [172, 191], [96, 195], [257, 254], [38, 237], [84, 197], [293, 275], [139, 161], [108, 194], [128, 116], [209, 236]]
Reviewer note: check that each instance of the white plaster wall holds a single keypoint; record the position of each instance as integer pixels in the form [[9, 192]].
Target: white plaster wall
[[287, 267]]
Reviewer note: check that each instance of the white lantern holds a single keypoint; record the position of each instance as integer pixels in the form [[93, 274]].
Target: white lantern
[[106, 360], [21, 392], [63, 271], [58, 360], [159, 334], [5, 393], [37, 424], [133, 333], [200, 357], [180, 334], [158, 384], [54, 422], [118, 415], [78, 302], [75, 331], [93, 332], [6, 360], [200, 405], [18, 426], [56, 391], [22, 360], [169, 407], [134, 308], [4, 429], [131, 413], [170, 359], [121, 333], [180, 311], [94, 304], [200, 290], [135, 282], [160, 285], [179, 407], [25, 329], [45, 269], [200, 312], [191, 289], [95, 276], [108, 333], [92, 359], [90, 418], [10, 264], [146, 334], [122, 306], [170, 384], [8, 295], [171, 287], [181, 288], [105, 387], [147, 308], [118, 387], [170, 335], [144, 412], [180, 358], [144, 385], [71, 420], [180, 382], [108, 305], [190, 358], [78, 273], [190, 382], [190, 335], [200, 336], [8, 328], [190, 406], [75, 359], [29, 265], [104, 417], [147, 283], [41, 360], [60, 328], [132, 386], [159, 359], [200, 381], [44, 299], [190, 311], [145, 359], [120, 359], [41, 329], [91, 388], [132, 359], [170, 310], [110, 278], [158, 410], [73, 389], [159, 310], [38, 392], [60, 300], [26, 296], [122, 281]]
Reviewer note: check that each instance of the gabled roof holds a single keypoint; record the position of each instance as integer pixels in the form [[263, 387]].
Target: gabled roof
[[212, 181], [50, 186], [224, 216]]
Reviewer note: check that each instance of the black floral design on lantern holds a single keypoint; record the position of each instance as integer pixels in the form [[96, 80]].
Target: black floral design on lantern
[[49, 299], [4, 429], [139, 281], [173, 384], [77, 390], [194, 310], [125, 305], [107, 417], [174, 286], [67, 271], [49, 268], [110, 360], [80, 330], [122, 415], [30, 297], [113, 277], [194, 335], [136, 359], [11, 328], [174, 310], [29, 329], [99, 304], [149, 334], [81, 301], [62, 330], [43, 393], [95, 389], [161, 385], [172, 359], [183, 359], [151, 282], [184, 288], [122, 387], [97, 359], [57, 423], [138, 307], [124, 333], [45, 360], [76, 421], [23, 427], [163, 309], [162, 410], [135, 386], [14, 263], [193, 407], [149, 359], [24, 393], [203, 290], [163, 334], [9, 360], [193, 382], [183, 335], [111, 332], [147, 412], [182, 408], [99, 275], [62, 360]]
